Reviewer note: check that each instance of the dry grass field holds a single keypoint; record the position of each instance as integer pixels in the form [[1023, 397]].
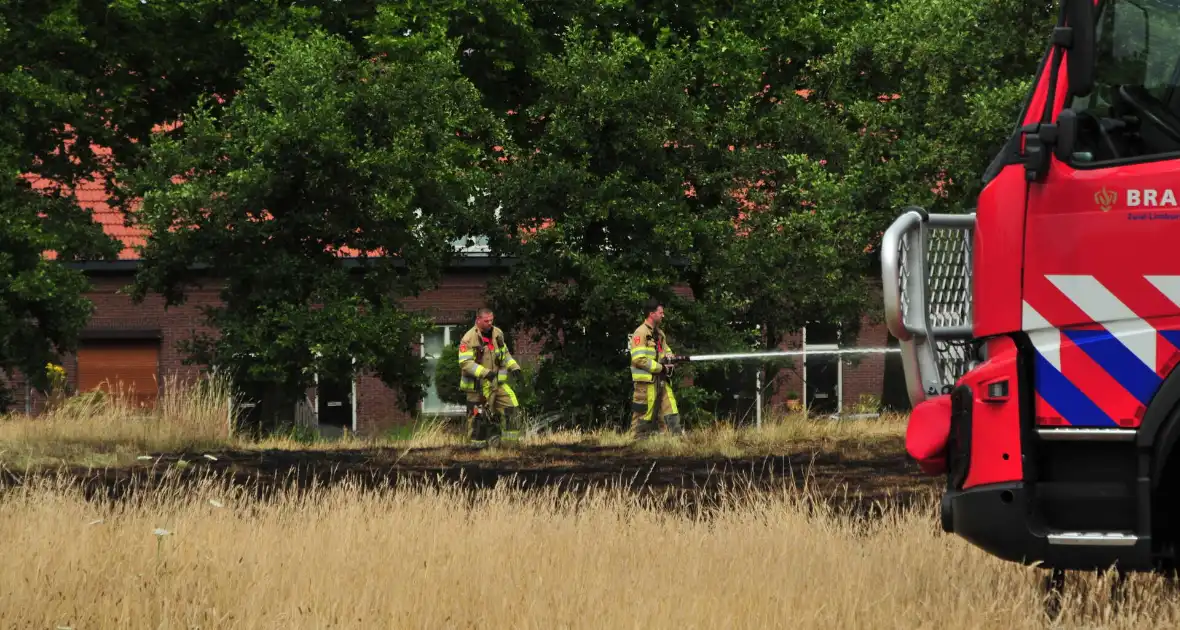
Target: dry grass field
[[730, 528], [98, 432], [205, 556]]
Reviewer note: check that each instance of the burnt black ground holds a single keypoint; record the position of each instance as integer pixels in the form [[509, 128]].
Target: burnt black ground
[[852, 481]]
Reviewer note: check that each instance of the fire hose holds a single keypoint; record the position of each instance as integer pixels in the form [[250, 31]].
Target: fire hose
[[672, 360], [769, 354]]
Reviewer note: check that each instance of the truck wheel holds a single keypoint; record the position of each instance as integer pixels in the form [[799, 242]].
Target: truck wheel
[[1165, 524]]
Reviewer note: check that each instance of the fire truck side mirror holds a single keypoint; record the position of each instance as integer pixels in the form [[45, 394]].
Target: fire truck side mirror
[[1067, 134], [1079, 18]]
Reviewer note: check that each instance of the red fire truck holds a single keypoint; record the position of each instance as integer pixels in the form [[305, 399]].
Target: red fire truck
[[1040, 334]]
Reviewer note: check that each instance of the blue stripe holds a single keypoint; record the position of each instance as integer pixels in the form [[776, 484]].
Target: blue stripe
[[1116, 360], [1067, 399]]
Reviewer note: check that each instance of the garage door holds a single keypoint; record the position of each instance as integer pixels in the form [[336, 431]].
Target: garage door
[[125, 366]]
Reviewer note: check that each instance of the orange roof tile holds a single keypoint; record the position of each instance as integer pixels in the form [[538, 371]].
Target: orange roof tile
[[91, 195]]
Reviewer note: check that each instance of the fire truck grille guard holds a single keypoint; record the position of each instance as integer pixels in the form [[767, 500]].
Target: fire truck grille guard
[[926, 275]]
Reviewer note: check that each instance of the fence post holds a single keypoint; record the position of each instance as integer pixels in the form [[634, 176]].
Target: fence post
[[758, 397]]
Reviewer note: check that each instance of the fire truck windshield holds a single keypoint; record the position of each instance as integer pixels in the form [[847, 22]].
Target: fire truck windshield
[[1133, 112]]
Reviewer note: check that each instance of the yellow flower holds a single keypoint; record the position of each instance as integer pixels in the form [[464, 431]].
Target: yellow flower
[[56, 374]]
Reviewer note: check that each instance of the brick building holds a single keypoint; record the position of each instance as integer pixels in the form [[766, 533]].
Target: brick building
[[136, 344]]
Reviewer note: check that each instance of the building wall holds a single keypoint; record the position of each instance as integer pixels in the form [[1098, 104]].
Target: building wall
[[461, 293], [865, 374], [376, 405], [114, 311], [861, 374]]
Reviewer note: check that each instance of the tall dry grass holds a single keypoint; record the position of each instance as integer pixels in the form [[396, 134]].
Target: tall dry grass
[[209, 557], [111, 430], [106, 428]]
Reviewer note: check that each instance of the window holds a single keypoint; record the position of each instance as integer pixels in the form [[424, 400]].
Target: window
[[823, 371], [1134, 109], [431, 349], [822, 333]]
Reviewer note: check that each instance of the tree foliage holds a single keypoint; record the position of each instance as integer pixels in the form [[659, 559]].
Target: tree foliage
[[447, 376], [928, 92], [670, 163], [42, 310], [323, 156], [82, 85], [751, 153]]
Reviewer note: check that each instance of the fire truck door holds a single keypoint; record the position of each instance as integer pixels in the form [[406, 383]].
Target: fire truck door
[[1101, 273]]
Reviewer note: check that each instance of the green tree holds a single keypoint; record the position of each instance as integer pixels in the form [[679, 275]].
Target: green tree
[[42, 308], [328, 189], [756, 159], [659, 155], [621, 195], [928, 92], [76, 76], [909, 107]]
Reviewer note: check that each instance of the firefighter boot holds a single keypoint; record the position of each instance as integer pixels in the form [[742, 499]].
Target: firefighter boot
[[644, 429], [475, 430], [509, 416], [476, 423], [495, 430], [673, 422]]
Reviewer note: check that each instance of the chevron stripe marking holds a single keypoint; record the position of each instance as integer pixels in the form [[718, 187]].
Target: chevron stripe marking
[[1064, 396], [1044, 337], [1101, 306], [1168, 285], [1117, 362]]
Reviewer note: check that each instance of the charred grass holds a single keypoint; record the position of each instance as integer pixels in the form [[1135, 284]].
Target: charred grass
[[109, 431], [112, 448]]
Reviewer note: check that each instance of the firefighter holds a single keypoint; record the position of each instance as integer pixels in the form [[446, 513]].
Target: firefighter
[[485, 363], [651, 366]]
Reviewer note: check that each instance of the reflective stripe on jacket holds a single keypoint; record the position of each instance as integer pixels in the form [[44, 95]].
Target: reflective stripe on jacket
[[647, 347]]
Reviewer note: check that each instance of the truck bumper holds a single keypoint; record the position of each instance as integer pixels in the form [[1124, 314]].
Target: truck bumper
[[1000, 519], [927, 433]]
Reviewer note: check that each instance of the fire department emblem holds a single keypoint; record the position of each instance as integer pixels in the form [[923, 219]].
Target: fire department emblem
[[1106, 199]]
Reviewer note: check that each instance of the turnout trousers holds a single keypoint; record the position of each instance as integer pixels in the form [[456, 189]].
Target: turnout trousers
[[499, 399], [644, 414]]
